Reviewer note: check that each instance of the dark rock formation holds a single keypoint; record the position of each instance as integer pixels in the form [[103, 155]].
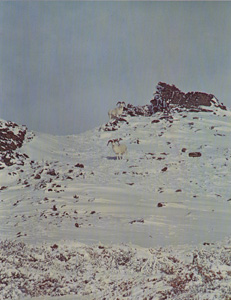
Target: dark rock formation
[[114, 125], [12, 137], [168, 96], [194, 154], [145, 110]]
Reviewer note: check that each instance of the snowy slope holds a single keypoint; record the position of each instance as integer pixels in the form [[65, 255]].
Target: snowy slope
[[116, 201], [71, 190]]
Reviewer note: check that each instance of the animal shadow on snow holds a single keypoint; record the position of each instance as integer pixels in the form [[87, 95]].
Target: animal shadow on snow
[[111, 157], [115, 158]]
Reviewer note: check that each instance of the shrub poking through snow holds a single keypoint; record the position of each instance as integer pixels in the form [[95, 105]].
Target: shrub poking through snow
[[115, 271]]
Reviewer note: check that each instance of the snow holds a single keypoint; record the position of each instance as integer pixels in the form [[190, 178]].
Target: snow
[[155, 203]]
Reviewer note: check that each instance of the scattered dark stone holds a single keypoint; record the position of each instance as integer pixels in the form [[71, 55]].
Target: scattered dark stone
[[79, 165], [194, 154], [54, 208], [61, 257], [183, 149], [207, 244], [155, 121], [54, 247], [93, 212], [3, 188], [135, 111], [160, 204], [178, 191], [164, 169], [37, 176], [137, 221], [76, 225], [51, 172]]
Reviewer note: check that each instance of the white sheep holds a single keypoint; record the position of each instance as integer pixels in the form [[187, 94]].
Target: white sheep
[[118, 148], [116, 112]]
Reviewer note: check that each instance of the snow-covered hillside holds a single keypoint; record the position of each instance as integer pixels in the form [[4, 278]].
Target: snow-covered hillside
[[114, 217]]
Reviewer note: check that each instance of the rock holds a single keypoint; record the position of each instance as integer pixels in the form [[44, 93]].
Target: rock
[[51, 172], [79, 165], [145, 110], [11, 136], [54, 208], [54, 247], [137, 221], [168, 96], [160, 204], [194, 154]]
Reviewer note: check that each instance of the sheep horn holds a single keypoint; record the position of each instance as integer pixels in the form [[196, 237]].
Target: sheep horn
[[110, 141]]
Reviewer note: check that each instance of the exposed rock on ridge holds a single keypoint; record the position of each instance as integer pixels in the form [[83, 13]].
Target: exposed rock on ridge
[[168, 96], [12, 137], [166, 99]]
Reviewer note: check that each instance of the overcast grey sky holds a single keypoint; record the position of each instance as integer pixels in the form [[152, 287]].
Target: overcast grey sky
[[63, 65]]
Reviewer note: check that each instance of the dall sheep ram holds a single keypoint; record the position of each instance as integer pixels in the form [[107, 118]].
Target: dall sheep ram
[[118, 148], [116, 112]]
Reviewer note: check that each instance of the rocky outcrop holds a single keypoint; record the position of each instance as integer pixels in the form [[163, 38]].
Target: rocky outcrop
[[132, 110], [168, 96], [12, 137]]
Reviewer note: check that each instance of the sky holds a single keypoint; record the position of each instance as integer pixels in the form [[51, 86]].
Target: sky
[[63, 65]]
